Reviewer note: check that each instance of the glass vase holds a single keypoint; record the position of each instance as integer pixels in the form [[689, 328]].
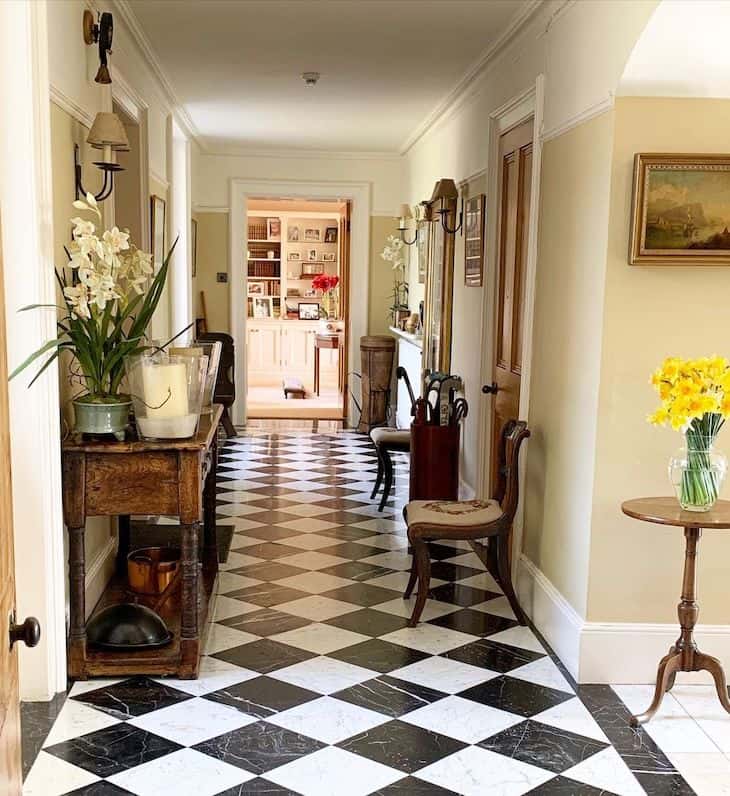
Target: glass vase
[[697, 473]]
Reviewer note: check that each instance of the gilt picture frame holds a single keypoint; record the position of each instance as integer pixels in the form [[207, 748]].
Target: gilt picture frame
[[680, 211], [157, 227]]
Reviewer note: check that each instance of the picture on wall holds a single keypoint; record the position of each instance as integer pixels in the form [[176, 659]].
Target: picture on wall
[[157, 225], [312, 234], [474, 241], [263, 307], [424, 240], [681, 210], [330, 235], [292, 234]]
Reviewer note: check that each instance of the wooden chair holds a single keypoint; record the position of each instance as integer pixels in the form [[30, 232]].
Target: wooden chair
[[430, 520], [387, 440], [225, 385]]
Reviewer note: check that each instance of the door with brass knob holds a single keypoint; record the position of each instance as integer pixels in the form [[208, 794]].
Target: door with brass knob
[[490, 388]]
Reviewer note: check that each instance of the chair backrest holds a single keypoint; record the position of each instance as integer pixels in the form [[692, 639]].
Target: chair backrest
[[225, 386], [514, 433]]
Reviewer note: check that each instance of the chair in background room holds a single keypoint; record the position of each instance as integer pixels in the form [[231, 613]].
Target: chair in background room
[[225, 386]]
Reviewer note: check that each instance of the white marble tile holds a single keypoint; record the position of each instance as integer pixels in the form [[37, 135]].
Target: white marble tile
[[238, 485], [572, 716], [82, 686], [606, 770], [236, 560], [51, 776], [392, 560], [77, 719], [499, 606], [317, 608], [313, 560], [214, 675], [466, 560], [432, 610], [193, 721], [476, 772], [387, 541], [226, 607], [324, 675], [462, 719], [542, 672], [444, 675], [702, 704], [482, 581], [238, 495], [519, 637], [328, 720], [315, 582], [182, 773], [310, 541], [308, 525], [319, 638], [237, 509], [399, 580], [299, 485], [380, 525], [307, 510], [228, 582], [222, 638], [429, 638], [306, 497], [242, 524], [706, 774], [334, 772]]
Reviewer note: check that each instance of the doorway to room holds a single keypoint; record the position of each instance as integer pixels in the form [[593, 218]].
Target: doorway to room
[[297, 269]]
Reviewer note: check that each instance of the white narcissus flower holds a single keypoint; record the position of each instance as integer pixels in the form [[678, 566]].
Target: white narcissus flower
[[116, 239], [82, 227]]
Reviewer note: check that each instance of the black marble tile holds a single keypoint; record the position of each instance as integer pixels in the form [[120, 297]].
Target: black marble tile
[[444, 570], [490, 655], [342, 504], [563, 786], [264, 656], [262, 696], [363, 594], [271, 550], [113, 749], [266, 622], [36, 720], [100, 788], [258, 787], [543, 746], [412, 786], [272, 517], [345, 518], [353, 550], [132, 697], [389, 696], [279, 503], [402, 746], [369, 621], [269, 570], [271, 533], [474, 622], [381, 656], [458, 594], [259, 747], [658, 783], [515, 696], [266, 594], [357, 570]]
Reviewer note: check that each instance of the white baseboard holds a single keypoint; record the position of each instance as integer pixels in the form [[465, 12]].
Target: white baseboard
[[607, 652], [99, 573]]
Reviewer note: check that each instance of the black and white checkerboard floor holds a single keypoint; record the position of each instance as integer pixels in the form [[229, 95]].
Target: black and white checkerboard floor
[[312, 683]]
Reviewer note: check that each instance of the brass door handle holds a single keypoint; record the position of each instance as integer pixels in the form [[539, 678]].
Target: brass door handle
[[490, 388], [29, 632]]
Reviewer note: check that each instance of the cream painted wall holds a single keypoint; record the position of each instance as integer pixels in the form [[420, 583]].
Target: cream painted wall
[[566, 354], [160, 327], [651, 313], [381, 275], [212, 258]]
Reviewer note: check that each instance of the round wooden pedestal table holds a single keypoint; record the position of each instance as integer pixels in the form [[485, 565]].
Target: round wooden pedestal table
[[683, 656]]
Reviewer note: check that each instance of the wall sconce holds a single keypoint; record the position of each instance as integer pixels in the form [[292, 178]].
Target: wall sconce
[[101, 33], [405, 215], [108, 134], [444, 190]]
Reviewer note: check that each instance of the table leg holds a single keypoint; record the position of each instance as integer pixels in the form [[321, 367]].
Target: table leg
[[124, 527], [190, 583], [316, 369], [210, 537], [77, 600]]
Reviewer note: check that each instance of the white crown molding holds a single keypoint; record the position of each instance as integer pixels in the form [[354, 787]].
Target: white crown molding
[[585, 115], [231, 150], [179, 111], [450, 103], [211, 209], [75, 110]]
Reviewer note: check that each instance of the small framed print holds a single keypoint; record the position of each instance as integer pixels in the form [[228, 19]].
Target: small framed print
[[273, 228], [330, 235], [256, 289], [312, 235], [329, 257], [294, 257], [308, 311], [474, 241], [312, 269], [263, 307], [292, 234], [312, 255]]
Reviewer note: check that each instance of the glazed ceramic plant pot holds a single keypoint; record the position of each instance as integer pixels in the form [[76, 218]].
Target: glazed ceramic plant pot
[[102, 416]]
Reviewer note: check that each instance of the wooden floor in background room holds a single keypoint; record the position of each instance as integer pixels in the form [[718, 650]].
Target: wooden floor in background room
[[269, 402]]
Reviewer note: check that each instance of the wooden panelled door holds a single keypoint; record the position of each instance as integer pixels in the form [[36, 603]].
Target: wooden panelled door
[[515, 178], [10, 765]]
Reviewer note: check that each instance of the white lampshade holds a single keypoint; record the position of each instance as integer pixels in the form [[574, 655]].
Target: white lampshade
[[405, 211], [107, 131]]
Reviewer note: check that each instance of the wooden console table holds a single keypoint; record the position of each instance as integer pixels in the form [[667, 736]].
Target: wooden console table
[[683, 656], [327, 341], [175, 478]]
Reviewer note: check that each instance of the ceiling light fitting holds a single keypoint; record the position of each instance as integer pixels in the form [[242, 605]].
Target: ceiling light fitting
[[310, 78]]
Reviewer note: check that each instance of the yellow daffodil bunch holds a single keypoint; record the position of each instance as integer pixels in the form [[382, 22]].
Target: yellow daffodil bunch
[[689, 390]]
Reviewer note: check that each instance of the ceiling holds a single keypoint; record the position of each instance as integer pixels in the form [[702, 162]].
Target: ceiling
[[386, 65]]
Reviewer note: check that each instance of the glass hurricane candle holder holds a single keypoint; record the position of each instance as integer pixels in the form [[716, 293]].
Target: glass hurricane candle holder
[[167, 392]]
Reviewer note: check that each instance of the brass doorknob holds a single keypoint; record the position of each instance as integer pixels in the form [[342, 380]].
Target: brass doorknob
[[29, 632], [490, 388]]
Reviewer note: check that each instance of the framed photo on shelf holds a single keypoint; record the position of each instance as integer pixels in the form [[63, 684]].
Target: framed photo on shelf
[[474, 241], [292, 234], [680, 214], [312, 269], [263, 307], [157, 225], [256, 288], [329, 257], [294, 257], [330, 235], [308, 311], [312, 255], [312, 235], [194, 245], [273, 228]]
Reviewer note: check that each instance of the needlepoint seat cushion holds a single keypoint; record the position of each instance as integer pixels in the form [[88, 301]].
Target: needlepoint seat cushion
[[452, 512], [391, 436]]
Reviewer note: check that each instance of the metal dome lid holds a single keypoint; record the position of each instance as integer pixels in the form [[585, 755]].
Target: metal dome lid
[[127, 626]]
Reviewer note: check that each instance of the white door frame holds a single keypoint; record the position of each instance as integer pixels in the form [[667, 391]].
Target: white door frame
[[529, 103], [359, 193]]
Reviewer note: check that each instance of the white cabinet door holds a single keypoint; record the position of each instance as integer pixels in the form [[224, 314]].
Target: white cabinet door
[[264, 350]]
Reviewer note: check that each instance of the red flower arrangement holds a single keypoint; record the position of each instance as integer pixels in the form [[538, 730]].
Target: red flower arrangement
[[325, 282]]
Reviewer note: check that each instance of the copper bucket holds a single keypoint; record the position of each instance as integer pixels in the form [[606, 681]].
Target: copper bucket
[[150, 570]]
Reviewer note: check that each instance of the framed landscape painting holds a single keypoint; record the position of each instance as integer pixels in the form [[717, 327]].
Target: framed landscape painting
[[681, 210]]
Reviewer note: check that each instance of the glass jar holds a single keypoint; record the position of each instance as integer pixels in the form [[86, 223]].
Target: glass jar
[[697, 472]]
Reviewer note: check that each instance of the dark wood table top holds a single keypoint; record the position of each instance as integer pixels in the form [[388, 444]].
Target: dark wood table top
[[77, 443], [667, 511]]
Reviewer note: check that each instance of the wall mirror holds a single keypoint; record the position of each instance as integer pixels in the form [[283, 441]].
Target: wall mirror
[[439, 278]]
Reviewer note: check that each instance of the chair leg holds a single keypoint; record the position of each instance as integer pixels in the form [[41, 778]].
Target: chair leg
[[413, 577], [388, 465], [379, 476], [423, 565], [505, 579], [230, 429], [491, 562]]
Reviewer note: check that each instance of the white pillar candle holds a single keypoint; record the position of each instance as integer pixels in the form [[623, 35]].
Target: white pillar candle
[[165, 387]]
